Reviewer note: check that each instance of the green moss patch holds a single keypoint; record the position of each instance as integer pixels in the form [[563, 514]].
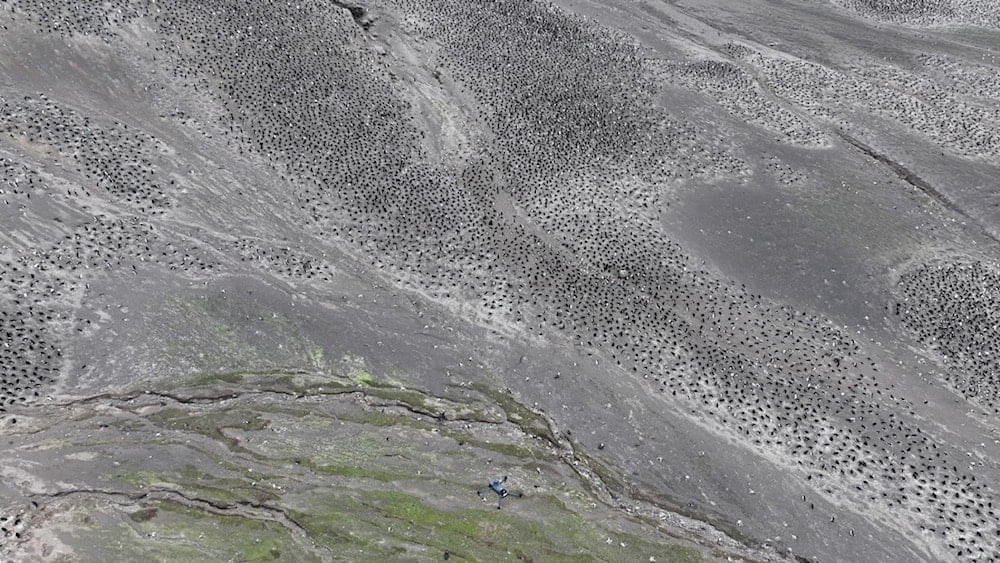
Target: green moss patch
[[392, 523], [180, 533], [209, 423], [530, 422]]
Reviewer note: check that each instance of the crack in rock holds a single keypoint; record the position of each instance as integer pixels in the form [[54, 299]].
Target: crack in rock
[[905, 174], [242, 509], [628, 499], [359, 13]]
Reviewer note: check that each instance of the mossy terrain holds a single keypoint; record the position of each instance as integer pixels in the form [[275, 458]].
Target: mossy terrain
[[358, 373], [167, 531], [532, 423], [199, 484], [392, 524], [298, 467]]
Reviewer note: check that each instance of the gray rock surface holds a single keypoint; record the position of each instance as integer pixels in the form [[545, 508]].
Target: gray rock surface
[[706, 280]]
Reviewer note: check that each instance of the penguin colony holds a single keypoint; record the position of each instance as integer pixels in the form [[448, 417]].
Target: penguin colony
[[925, 12], [955, 108], [784, 173], [979, 83], [95, 151], [279, 260], [13, 525], [732, 88], [550, 228], [102, 161], [39, 284], [937, 111], [953, 310]]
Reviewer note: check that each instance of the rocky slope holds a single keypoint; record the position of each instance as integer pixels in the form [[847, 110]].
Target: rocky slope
[[293, 280]]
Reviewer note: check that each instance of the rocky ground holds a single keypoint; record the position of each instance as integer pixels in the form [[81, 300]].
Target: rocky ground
[[706, 280]]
